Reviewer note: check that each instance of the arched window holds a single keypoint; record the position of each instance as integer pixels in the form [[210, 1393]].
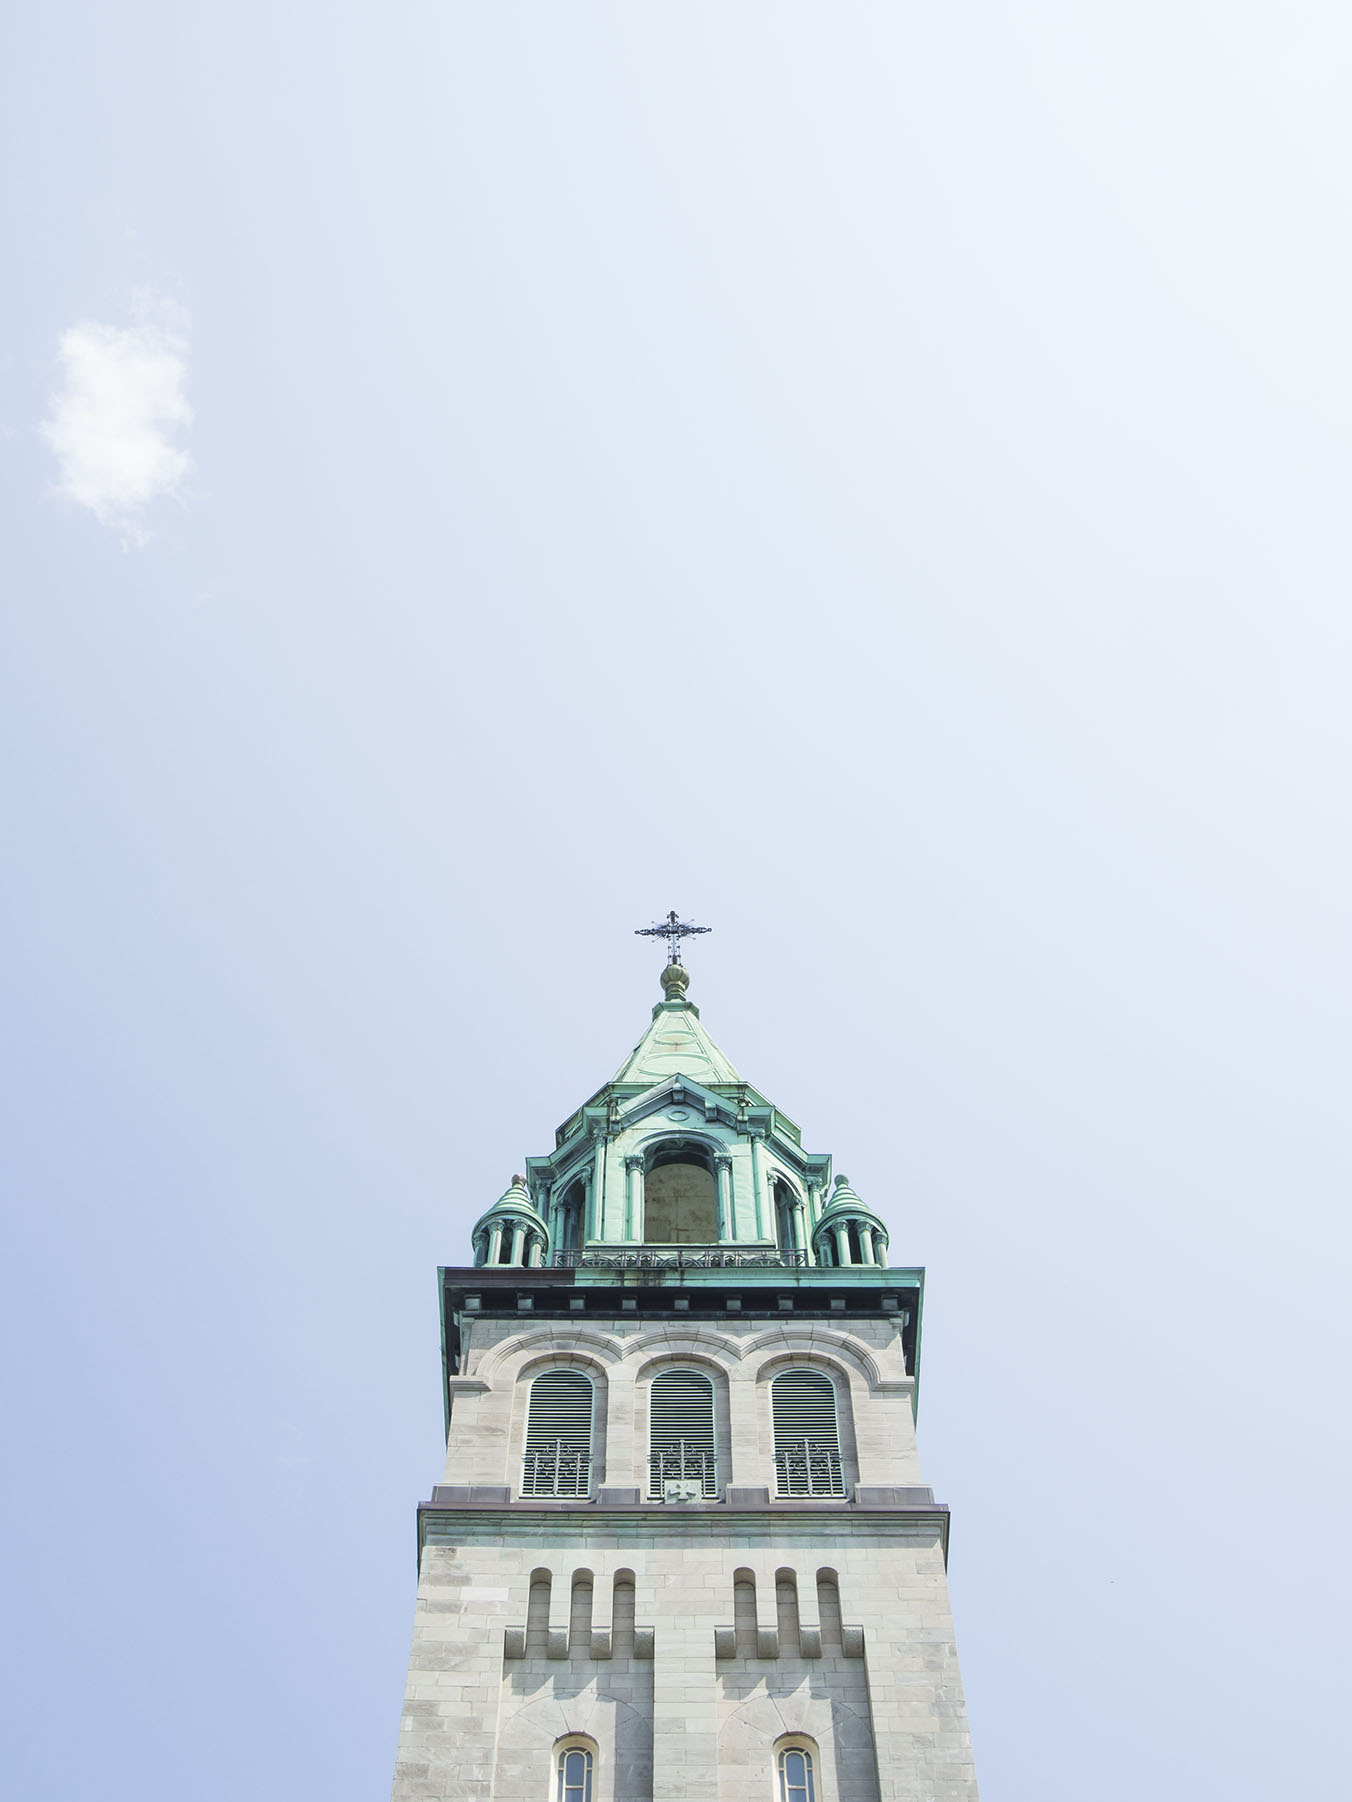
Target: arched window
[[807, 1435], [568, 1220], [558, 1435], [681, 1436], [786, 1224], [680, 1195], [795, 1775], [575, 1774]]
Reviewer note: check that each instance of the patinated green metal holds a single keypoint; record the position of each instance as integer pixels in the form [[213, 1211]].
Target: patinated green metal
[[759, 1223]]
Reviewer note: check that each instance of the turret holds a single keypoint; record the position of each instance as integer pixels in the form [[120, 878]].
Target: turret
[[512, 1232], [849, 1232]]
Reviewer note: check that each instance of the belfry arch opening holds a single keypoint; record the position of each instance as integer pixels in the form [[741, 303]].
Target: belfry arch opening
[[787, 1217], [570, 1217], [680, 1195]]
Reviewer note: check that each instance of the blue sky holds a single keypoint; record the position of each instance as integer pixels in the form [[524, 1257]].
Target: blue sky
[[875, 479]]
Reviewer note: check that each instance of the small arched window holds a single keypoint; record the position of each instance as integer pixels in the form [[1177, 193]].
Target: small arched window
[[807, 1434], [557, 1457], [795, 1775], [681, 1436], [575, 1774]]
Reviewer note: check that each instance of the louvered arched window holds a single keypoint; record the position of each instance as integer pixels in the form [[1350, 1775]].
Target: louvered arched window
[[681, 1436], [807, 1434], [558, 1435]]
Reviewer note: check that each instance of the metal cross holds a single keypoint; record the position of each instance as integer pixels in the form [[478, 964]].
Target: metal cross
[[673, 930]]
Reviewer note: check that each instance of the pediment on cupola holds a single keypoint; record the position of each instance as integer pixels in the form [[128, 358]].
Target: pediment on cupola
[[679, 1094]]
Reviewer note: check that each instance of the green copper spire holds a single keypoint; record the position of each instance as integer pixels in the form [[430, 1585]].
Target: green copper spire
[[676, 1044]]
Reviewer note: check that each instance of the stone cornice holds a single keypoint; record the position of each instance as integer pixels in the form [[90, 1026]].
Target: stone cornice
[[810, 1524]]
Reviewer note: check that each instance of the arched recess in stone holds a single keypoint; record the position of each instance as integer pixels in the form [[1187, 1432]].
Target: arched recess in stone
[[681, 1422], [525, 1377], [769, 1705], [794, 1338], [560, 1427], [561, 1341], [805, 1432], [808, 1357], [686, 1340]]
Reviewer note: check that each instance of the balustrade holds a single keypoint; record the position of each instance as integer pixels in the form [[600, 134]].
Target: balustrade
[[805, 1468]]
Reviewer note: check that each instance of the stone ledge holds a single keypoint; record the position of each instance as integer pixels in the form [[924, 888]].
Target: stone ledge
[[873, 1495], [895, 1499], [469, 1496], [558, 1529], [748, 1496]]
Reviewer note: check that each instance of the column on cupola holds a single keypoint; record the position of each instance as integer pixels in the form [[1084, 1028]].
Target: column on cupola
[[879, 1249], [495, 1243], [597, 1188], [518, 1242], [801, 1241], [842, 1238], [865, 1243], [723, 1179], [537, 1252], [756, 1134], [633, 1196], [814, 1205]]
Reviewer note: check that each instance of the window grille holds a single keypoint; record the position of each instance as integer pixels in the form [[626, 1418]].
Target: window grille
[[681, 1432], [807, 1436], [795, 1775], [558, 1435], [575, 1775]]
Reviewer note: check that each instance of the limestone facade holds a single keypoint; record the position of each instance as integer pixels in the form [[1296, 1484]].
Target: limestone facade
[[685, 1651], [741, 1356]]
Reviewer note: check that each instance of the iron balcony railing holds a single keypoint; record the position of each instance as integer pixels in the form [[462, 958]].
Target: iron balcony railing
[[555, 1470], [682, 1461], [805, 1468], [694, 1257]]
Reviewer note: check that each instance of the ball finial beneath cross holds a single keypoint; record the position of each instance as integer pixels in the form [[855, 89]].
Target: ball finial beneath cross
[[675, 981]]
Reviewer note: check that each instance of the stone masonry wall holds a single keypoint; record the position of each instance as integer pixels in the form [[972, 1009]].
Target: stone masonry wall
[[874, 1393], [685, 1645]]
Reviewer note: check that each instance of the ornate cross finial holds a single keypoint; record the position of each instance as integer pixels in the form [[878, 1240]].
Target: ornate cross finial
[[673, 930]]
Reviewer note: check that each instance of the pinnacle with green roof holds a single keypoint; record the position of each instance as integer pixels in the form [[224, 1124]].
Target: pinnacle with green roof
[[678, 1160]]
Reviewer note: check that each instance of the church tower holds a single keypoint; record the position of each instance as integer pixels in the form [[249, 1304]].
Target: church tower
[[682, 1550]]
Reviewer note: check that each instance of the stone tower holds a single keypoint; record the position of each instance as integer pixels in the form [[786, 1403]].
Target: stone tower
[[682, 1550]]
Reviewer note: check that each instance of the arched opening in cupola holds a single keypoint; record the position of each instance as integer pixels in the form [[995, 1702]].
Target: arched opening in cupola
[[786, 1216], [680, 1195], [568, 1221]]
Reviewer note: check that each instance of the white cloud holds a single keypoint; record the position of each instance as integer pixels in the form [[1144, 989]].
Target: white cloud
[[114, 422]]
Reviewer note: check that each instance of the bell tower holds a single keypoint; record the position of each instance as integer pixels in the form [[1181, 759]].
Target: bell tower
[[682, 1550]]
